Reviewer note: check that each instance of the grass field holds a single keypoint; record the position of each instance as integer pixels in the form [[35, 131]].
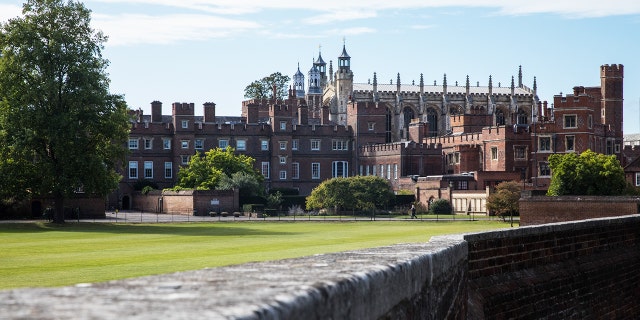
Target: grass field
[[42, 255]]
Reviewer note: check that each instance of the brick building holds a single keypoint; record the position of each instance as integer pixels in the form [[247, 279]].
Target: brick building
[[338, 128]]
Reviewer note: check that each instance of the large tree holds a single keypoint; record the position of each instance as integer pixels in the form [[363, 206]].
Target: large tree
[[504, 201], [263, 88], [359, 193], [219, 169], [60, 128], [589, 173]]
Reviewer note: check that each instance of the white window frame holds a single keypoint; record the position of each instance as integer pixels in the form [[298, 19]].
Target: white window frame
[[283, 145], [294, 144], [198, 144], [184, 144], [166, 144], [295, 170], [315, 170], [371, 126], [637, 179], [339, 169], [185, 124], [566, 117], [550, 147], [184, 159], [283, 159], [315, 144], [148, 170], [241, 144], [168, 170], [516, 156], [133, 169], [283, 125], [148, 143], [265, 168], [395, 170], [573, 143], [494, 153], [264, 145], [283, 174], [337, 144], [133, 143], [223, 143]]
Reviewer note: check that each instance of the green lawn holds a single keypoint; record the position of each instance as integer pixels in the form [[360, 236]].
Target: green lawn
[[41, 254]]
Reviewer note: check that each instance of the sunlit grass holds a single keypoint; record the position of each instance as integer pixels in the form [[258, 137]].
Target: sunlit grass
[[39, 254]]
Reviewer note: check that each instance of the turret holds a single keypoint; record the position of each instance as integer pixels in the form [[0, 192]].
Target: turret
[[298, 83]]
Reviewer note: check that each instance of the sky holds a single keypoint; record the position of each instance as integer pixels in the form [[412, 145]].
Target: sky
[[201, 51]]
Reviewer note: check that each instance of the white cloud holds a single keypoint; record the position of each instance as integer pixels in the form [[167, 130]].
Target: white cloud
[[337, 16], [129, 29]]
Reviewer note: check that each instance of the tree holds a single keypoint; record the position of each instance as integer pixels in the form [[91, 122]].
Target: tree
[[505, 200], [60, 128], [213, 170], [589, 173], [441, 206], [263, 88], [358, 193]]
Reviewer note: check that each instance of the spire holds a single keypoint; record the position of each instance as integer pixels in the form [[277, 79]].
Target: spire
[[512, 85], [535, 87], [398, 83], [444, 84], [467, 85], [421, 84], [520, 77], [330, 71], [375, 82], [490, 85], [344, 60], [319, 63]]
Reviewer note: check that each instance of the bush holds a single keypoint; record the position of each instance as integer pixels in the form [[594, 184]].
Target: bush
[[441, 206]]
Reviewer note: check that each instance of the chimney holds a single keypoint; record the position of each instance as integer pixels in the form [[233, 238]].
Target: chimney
[[303, 114], [252, 113], [156, 111], [325, 115], [417, 130], [209, 112]]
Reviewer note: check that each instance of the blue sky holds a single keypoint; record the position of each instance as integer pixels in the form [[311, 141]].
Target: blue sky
[[210, 50]]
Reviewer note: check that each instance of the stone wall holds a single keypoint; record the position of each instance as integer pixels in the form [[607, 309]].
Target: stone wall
[[543, 209], [576, 270]]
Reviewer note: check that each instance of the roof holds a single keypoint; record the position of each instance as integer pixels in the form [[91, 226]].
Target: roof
[[438, 89]]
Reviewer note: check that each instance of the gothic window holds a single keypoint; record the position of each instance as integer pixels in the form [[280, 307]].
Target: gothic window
[[522, 117], [408, 116], [432, 119], [388, 127], [500, 121]]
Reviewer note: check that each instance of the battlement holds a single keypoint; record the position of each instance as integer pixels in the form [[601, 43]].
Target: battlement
[[183, 109], [612, 71]]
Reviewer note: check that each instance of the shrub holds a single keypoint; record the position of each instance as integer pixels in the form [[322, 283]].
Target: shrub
[[441, 206]]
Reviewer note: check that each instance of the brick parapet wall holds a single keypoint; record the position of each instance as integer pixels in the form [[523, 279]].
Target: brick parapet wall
[[542, 209]]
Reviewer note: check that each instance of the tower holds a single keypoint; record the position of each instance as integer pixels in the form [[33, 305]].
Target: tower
[[344, 86], [611, 79], [321, 66], [314, 94], [298, 83]]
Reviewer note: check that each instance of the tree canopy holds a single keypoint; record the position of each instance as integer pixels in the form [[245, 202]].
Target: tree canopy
[[218, 169], [505, 199], [60, 128], [263, 88], [359, 193], [589, 173]]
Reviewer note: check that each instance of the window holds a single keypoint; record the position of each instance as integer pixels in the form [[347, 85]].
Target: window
[[133, 143], [166, 144], [609, 147], [148, 169], [223, 143], [315, 170], [283, 125], [382, 170], [617, 148], [395, 171], [373, 170], [241, 145], [494, 153], [368, 172], [453, 158], [184, 159], [294, 144], [637, 179], [168, 170], [569, 143], [544, 144], [520, 152], [388, 171], [283, 174], [295, 170], [371, 126], [199, 144], [283, 145], [264, 145], [148, 143], [185, 124], [283, 160], [570, 121], [590, 121], [463, 185], [133, 169], [339, 145], [184, 144], [315, 144], [339, 169], [544, 169], [265, 169]]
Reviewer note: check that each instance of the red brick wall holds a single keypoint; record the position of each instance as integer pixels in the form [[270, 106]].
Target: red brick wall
[[540, 210]]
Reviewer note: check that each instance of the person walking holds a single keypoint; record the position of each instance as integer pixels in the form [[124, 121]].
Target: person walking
[[413, 212]]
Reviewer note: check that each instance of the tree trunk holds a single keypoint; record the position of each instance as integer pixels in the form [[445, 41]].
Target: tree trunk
[[58, 216]]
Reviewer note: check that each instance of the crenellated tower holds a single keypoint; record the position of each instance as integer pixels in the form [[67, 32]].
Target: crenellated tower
[[611, 80]]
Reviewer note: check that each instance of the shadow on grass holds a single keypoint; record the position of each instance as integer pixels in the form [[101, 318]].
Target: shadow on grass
[[179, 229]]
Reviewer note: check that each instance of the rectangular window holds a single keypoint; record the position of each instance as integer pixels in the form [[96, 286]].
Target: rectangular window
[[544, 169], [199, 144], [283, 174], [371, 126], [185, 124], [283, 125], [166, 144], [184, 144], [494, 153], [241, 145], [520, 152], [570, 121], [617, 148], [463, 185], [388, 171], [367, 172], [223, 143], [265, 169], [453, 158], [133, 143], [283, 145], [382, 170], [315, 170], [340, 169], [283, 160], [315, 144], [295, 170], [264, 145], [590, 121], [395, 171], [133, 169], [184, 159], [294, 144], [148, 143], [168, 170], [569, 143], [544, 144], [373, 170], [637, 179], [339, 145], [609, 147], [148, 169]]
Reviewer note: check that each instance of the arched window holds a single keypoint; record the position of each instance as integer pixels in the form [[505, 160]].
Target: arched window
[[500, 118], [522, 117], [388, 127], [408, 115], [432, 119]]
